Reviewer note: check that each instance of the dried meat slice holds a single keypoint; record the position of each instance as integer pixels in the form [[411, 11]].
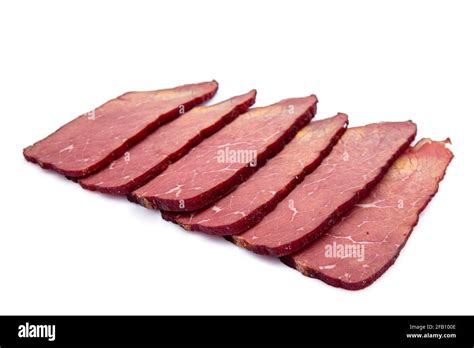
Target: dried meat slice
[[256, 197], [166, 145], [356, 163], [226, 159], [367, 241], [93, 140]]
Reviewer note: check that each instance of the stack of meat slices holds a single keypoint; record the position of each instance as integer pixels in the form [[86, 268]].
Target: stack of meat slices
[[333, 202]]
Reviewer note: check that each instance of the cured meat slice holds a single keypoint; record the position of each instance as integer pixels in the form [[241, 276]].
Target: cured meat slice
[[367, 241], [227, 158], [356, 163], [166, 145], [93, 140], [256, 197]]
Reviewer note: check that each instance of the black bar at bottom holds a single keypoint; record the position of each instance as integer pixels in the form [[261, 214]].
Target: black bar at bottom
[[262, 330]]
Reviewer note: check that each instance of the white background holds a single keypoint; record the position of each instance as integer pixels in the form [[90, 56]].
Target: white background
[[64, 250]]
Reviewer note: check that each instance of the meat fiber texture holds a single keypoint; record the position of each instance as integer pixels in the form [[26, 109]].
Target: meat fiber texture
[[226, 159], [356, 163], [256, 197], [166, 145], [93, 140], [368, 240]]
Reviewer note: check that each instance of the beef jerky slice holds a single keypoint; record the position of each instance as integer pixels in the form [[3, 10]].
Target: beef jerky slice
[[226, 159], [367, 241], [93, 140]]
